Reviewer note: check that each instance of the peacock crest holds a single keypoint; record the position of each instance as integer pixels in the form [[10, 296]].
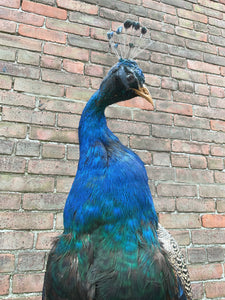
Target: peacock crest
[[129, 40]]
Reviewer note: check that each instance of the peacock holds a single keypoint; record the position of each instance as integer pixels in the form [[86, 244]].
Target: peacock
[[113, 247]]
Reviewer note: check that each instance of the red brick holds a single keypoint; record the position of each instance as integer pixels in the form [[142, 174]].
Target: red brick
[[7, 26], [73, 66], [50, 62], [204, 67], [78, 6], [94, 70], [7, 262], [10, 201], [54, 135], [11, 220], [66, 51], [38, 87], [5, 82], [4, 284], [67, 27], [52, 167], [16, 183], [190, 147], [215, 289], [180, 220], [44, 10], [205, 272], [28, 283], [137, 102], [45, 240], [13, 240], [10, 3], [176, 108], [21, 17], [212, 221], [197, 290], [42, 33]]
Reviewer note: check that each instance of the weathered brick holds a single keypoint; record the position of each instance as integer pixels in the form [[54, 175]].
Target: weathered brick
[[18, 70], [197, 290], [191, 15], [10, 201], [187, 86], [208, 236], [7, 262], [42, 201], [198, 162], [146, 143], [164, 204], [188, 75], [10, 3], [195, 176], [79, 93], [179, 160], [168, 83], [38, 87], [217, 92], [42, 33], [87, 43], [217, 125], [181, 236], [161, 159], [28, 283], [221, 205], [189, 34], [215, 289], [44, 10], [16, 183], [195, 205], [206, 136], [17, 220], [5, 82], [215, 163], [8, 129], [6, 147], [218, 150], [61, 106], [190, 147], [170, 132], [204, 67], [15, 99], [65, 78], [176, 190], [54, 135], [27, 148], [128, 127], [4, 284], [31, 261], [63, 184], [155, 117], [7, 54], [27, 57], [13, 114], [53, 151], [51, 62], [13, 240], [66, 51], [52, 167], [12, 164], [7, 26], [59, 221], [160, 173], [66, 120], [45, 240], [197, 255], [215, 254], [91, 20], [180, 220], [73, 152], [202, 89], [204, 272]]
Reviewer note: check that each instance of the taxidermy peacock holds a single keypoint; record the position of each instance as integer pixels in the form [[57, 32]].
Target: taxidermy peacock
[[113, 247]]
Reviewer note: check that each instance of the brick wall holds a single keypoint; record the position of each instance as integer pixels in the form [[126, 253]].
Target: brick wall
[[53, 55]]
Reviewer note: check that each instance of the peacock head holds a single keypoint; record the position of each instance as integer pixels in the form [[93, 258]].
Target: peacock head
[[124, 81]]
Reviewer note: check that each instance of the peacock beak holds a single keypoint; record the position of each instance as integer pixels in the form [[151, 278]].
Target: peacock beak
[[144, 93]]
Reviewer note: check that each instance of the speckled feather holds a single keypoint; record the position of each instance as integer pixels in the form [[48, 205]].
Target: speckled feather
[[110, 249]]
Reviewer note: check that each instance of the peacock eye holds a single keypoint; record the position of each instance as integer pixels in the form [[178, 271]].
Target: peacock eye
[[130, 77]]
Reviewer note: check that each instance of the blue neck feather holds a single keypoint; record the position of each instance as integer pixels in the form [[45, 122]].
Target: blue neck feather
[[111, 184]]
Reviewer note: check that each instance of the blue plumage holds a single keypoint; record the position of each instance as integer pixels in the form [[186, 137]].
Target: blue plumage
[[110, 248]]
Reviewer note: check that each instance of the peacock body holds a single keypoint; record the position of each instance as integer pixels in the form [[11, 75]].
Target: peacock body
[[112, 247]]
